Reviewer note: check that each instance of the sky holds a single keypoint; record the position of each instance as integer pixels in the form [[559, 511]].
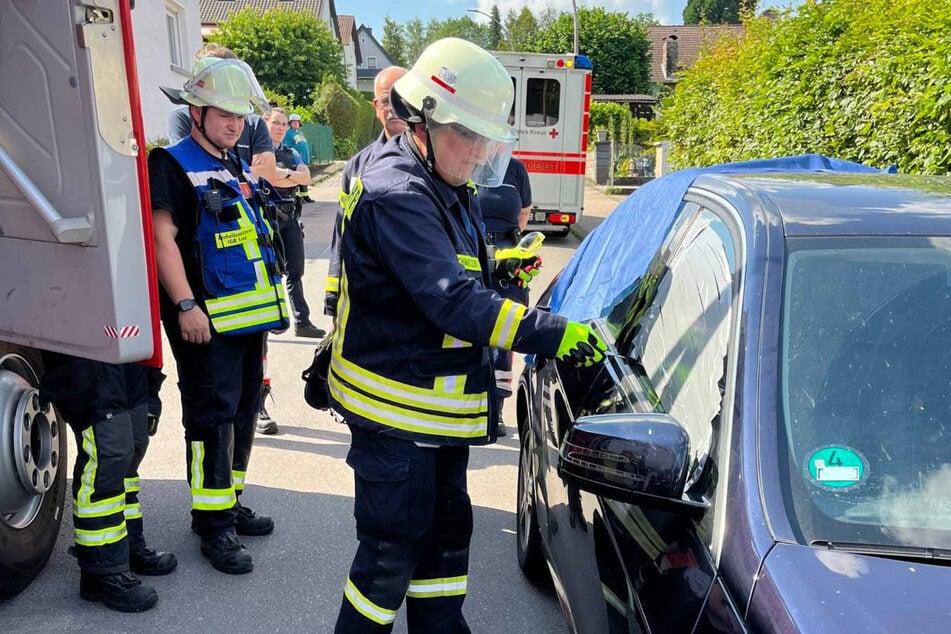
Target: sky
[[371, 13]]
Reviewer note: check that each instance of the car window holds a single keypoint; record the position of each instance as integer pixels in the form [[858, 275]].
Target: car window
[[865, 389], [679, 335]]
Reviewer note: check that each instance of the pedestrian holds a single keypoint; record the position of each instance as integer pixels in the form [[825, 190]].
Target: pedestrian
[[411, 368], [109, 407], [505, 212], [292, 173], [221, 291], [295, 139], [254, 147], [392, 126]]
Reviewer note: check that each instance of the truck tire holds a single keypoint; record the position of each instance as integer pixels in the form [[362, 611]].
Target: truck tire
[[32, 470]]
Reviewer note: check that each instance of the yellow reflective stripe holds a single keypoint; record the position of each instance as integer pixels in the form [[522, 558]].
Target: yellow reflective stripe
[[367, 608], [349, 202], [448, 341], [213, 499], [100, 537], [506, 325], [249, 318], [133, 511], [132, 485], [244, 300], [469, 262], [428, 399], [333, 284], [198, 457], [83, 508], [233, 238], [406, 419], [452, 384], [238, 478], [432, 588], [88, 477]]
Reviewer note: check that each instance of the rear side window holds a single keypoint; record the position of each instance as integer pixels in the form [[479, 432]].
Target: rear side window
[[542, 102]]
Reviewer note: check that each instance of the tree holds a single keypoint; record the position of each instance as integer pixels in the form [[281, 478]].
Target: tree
[[522, 29], [394, 43], [289, 51], [861, 80], [616, 45], [496, 36], [465, 28], [717, 11]]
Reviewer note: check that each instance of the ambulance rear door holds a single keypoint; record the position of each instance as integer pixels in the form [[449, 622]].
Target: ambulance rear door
[[75, 230]]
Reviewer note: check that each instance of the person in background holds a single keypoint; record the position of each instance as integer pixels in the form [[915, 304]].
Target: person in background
[[254, 147], [392, 126], [112, 409], [220, 293], [505, 212], [411, 363], [292, 173], [296, 140]]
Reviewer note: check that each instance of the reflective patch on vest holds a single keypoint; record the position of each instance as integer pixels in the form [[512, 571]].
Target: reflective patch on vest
[[469, 262], [236, 237], [349, 202]]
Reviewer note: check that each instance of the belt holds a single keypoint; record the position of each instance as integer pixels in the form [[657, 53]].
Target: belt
[[499, 237]]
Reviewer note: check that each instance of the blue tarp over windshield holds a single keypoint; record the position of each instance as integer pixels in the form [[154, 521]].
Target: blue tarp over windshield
[[619, 251]]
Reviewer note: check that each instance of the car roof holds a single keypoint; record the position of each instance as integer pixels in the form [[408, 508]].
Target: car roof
[[834, 203]]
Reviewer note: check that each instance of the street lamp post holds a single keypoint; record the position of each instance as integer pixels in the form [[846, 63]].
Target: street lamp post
[[574, 8]]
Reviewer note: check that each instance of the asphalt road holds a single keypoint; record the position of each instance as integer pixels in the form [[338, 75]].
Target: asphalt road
[[299, 477]]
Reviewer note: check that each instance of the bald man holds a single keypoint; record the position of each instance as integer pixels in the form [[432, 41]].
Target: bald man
[[392, 126]]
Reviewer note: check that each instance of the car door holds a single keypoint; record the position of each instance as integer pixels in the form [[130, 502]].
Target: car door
[[676, 328]]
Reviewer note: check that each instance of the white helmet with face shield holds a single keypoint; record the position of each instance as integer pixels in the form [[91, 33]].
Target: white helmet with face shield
[[464, 95], [226, 84]]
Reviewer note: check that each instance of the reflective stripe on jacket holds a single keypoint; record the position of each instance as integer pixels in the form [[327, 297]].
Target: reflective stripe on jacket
[[415, 319], [243, 292]]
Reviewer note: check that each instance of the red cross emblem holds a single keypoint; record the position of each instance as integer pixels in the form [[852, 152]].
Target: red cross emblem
[[553, 134]]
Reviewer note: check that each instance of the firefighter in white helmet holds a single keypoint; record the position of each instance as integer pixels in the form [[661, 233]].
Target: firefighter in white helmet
[[221, 292], [411, 366]]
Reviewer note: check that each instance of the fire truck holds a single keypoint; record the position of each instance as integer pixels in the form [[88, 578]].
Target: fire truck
[[551, 114], [75, 242]]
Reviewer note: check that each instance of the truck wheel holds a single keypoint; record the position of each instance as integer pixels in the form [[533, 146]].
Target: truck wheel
[[32, 470]]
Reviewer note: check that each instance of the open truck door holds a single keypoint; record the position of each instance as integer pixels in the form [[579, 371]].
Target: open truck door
[[76, 260]]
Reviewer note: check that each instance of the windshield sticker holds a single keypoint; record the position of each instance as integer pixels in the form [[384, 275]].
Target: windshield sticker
[[836, 467]]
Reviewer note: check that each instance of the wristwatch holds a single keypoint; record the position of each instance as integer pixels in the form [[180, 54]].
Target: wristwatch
[[186, 304]]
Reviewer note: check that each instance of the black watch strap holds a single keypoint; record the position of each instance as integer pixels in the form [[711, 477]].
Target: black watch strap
[[186, 304]]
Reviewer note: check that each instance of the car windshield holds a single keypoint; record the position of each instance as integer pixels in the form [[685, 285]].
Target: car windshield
[[865, 390]]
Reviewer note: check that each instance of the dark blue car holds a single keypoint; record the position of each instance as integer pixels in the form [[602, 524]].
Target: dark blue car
[[768, 446]]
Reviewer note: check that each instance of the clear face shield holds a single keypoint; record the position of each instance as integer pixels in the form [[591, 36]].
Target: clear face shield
[[462, 155], [228, 84]]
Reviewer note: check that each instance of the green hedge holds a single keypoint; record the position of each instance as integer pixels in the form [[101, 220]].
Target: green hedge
[[863, 80], [352, 117]]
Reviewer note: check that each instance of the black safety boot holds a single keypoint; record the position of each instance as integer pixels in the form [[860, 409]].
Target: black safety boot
[[121, 591], [145, 561], [309, 330], [265, 425], [227, 554], [500, 429], [250, 523]]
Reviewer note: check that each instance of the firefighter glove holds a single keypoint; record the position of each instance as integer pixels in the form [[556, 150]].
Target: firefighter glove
[[508, 262], [525, 274], [580, 345]]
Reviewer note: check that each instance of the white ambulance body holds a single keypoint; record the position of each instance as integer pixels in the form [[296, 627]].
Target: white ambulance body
[[75, 241], [551, 115]]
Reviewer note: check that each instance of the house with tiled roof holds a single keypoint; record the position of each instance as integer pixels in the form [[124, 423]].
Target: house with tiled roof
[[675, 48], [374, 59], [215, 11], [351, 46]]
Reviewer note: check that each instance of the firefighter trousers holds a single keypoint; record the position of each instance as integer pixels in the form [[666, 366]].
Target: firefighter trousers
[[220, 387], [107, 407], [414, 524]]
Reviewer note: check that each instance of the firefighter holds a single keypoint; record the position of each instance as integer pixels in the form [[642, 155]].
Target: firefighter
[[112, 409], [410, 369], [392, 126], [221, 293]]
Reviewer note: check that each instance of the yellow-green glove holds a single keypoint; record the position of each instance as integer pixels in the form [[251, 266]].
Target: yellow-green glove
[[580, 345]]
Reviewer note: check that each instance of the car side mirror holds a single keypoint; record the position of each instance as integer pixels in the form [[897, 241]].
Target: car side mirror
[[631, 458]]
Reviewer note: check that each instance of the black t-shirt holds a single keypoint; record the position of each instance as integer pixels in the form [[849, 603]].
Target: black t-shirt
[[171, 190], [501, 205]]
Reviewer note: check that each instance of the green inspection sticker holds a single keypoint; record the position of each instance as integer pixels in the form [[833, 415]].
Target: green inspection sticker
[[836, 467]]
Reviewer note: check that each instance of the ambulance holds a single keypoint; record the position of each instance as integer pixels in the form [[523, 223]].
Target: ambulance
[[551, 115], [75, 242]]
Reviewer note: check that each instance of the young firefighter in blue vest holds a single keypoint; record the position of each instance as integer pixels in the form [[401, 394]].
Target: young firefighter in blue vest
[[411, 368], [221, 292]]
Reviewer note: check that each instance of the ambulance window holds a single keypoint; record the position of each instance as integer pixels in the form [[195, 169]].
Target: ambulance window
[[542, 102]]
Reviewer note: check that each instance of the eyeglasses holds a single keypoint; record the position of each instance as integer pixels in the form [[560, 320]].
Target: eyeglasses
[[383, 103]]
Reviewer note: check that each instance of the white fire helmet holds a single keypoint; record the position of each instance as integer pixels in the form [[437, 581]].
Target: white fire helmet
[[459, 86], [227, 84]]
